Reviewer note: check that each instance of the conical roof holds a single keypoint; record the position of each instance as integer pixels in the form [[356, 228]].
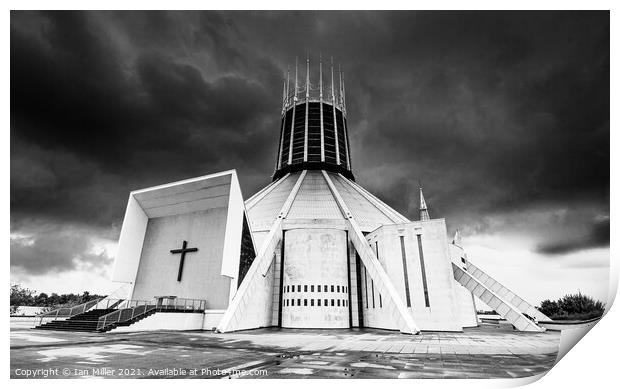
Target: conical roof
[[315, 200]]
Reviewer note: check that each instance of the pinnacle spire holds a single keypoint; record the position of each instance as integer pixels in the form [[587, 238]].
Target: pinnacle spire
[[321, 77], [457, 239], [308, 76], [424, 216], [283, 95], [296, 84]]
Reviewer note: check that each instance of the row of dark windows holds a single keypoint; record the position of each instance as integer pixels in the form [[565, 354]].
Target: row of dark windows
[[334, 302], [311, 288]]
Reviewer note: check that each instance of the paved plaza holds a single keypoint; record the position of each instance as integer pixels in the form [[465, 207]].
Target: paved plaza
[[483, 352]]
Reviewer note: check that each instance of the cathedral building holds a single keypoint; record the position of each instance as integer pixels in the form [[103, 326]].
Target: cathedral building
[[312, 249]]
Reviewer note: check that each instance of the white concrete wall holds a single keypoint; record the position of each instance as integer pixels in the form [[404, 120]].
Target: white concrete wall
[[212, 318], [442, 314], [25, 322], [353, 294], [201, 278], [315, 259], [466, 303], [275, 301], [130, 243], [234, 228], [375, 312], [166, 321], [251, 306]]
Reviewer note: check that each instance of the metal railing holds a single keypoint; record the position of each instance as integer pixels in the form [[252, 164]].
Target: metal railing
[[127, 310], [66, 311], [181, 304], [131, 309]]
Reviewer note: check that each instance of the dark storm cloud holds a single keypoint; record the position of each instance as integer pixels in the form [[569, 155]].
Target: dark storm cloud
[[51, 249], [598, 236], [494, 112]]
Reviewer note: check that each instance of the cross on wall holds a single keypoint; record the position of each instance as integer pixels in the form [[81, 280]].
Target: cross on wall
[[183, 250]]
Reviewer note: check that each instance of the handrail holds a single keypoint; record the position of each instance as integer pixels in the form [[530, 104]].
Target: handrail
[[68, 311], [130, 309], [129, 312]]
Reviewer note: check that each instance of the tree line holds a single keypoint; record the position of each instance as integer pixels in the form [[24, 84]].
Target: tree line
[[572, 307], [26, 297]]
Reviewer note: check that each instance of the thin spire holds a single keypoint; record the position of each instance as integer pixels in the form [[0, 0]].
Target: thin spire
[[321, 77], [340, 86], [457, 239], [333, 91], [283, 95], [424, 216], [296, 85], [288, 92], [308, 76], [344, 96]]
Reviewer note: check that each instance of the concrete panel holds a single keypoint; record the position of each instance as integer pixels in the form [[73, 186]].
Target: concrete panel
[[314, 200], [201, 278], [444, 312], [314, 260], [263, 213], [130, 243], [212, 318], [166, 321]]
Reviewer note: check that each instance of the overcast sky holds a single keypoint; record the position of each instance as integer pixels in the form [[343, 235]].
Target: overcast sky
[[504, 117]]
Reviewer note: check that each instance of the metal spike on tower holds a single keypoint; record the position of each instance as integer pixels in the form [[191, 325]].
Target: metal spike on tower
[[314, 129]]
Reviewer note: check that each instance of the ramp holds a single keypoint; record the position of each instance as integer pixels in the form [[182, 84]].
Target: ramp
[[506, 293], [493, 300]]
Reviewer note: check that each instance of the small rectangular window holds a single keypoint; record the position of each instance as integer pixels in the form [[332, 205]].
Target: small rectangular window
[[332, 302], [423, 270], [299, 288], [311, 288], [292, 302], [305, 302], [325, 288], [318, 302], [338, 302], [338, 288], [305, 288], [372, 286], [312, 302], [325, 302], [332, 288], [405, 274], [380, 301], [366, 287], [299, 302], [319, 288]]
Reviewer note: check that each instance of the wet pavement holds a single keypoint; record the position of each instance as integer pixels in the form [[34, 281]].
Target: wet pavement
[[482, 352]]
